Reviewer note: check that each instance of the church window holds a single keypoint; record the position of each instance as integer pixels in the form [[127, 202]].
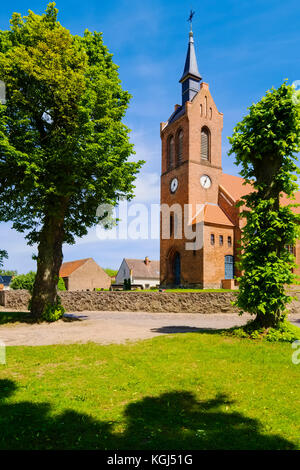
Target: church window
[[205, 101], [221, 240], [201, 110], [205, 143], [171, 225], [212, 239], [210, 113], [180, 146], [229, 241], [290, 249], [171, 151]]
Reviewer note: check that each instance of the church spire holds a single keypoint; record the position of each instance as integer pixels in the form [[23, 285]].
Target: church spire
[[191, 77]]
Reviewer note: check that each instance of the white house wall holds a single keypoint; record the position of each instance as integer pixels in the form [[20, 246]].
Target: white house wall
[[123, 273]]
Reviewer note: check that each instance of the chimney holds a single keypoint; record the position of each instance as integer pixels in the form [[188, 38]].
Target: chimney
[[147, 261]]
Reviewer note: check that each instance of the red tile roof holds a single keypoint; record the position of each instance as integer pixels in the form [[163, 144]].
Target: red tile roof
[[215, 215], [141, 270], [71, 266], [212, 214], [235, 188]]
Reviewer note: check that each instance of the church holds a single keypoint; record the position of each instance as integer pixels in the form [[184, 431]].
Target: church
[[192, 176]]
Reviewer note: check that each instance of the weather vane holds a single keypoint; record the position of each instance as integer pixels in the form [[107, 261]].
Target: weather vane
[[190, 19]]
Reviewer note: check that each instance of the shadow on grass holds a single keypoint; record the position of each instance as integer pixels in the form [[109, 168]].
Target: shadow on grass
[[171, 329], [15, 317], [174, 420], [25, 317]]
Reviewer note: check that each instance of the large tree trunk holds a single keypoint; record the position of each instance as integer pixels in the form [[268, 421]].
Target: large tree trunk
[[49, 261], [268, 320]]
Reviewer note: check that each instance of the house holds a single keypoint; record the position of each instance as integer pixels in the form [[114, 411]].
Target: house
[[192, 176], [141, 272], [5, 282], [84, 274]]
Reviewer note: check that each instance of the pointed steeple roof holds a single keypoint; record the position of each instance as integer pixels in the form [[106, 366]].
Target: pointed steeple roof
[[191, 66]]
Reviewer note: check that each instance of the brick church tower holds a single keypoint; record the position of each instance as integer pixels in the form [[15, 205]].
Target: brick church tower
[[200, 223], [190, 180]]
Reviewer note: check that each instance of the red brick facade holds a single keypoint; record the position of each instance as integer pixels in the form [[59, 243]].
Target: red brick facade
[[218, 218]]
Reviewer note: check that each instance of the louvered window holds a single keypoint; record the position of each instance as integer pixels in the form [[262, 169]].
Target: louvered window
[[180, 147], [205, 144], [171, 152]]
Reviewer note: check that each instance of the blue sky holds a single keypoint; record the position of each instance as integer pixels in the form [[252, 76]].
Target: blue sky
[[243, 49]]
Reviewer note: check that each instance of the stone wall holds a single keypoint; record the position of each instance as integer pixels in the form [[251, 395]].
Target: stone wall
[[206, 302], [193, 302], [15, 299]]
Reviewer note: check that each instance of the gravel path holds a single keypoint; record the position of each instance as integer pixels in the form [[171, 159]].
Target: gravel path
[[116, 327]]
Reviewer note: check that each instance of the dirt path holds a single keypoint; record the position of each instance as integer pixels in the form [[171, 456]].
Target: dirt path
[[115, 327]]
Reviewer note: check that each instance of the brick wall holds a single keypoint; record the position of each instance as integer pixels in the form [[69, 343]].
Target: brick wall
[[89, 276], [201, 112], [214, 255]]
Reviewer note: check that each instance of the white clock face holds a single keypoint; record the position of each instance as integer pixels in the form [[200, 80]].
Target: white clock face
[[205, 181], [174, 185]]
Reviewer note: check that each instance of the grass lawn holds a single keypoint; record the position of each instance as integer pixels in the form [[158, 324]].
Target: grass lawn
[[15, 317], [183, 391]]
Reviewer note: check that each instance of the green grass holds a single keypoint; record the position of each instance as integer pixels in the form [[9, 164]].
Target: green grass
[[184, 391], [285, 331], [15, 317]]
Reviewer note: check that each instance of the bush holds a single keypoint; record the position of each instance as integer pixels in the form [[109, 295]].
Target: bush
[[61, 284], [23, 281], [285, 332], [53, 312], [111, 272], [127, 284]]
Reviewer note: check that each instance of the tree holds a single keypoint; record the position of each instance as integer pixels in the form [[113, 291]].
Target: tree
[[23, 281], [3, 254], [111, 272], [265, 143], [8, 272], [61, 284], [63, 147]]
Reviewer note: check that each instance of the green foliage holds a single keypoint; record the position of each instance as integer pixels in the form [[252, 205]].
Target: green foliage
[[64, 149], [8, 272], [63, 145], [3, 254], [23, 281], [61, 284], [54, 312], [265, 144], [127, 284], [111, 272], [284, 332]]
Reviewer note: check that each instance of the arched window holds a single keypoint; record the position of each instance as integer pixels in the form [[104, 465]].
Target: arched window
[[179, 146], [205, 144], [229, 267], [171, 152]]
